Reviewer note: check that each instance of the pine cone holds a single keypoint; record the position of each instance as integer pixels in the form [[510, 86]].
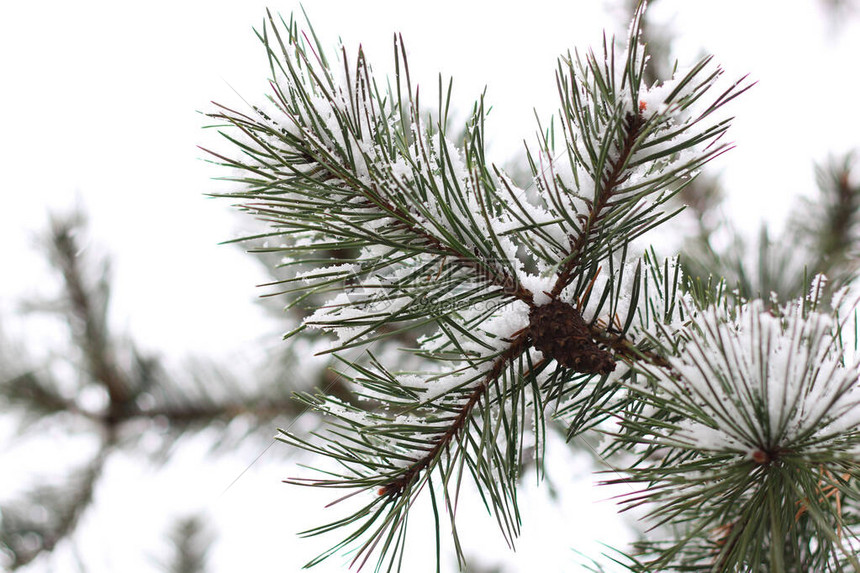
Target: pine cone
[[559, 331]]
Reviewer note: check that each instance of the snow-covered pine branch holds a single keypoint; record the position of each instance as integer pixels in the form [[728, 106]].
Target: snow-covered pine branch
[[530, 291], [748, 441]]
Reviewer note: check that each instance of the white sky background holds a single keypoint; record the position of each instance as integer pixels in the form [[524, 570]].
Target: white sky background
[[99, 104]]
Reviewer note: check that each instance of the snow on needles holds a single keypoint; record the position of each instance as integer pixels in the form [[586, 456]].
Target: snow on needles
[[762, 384]]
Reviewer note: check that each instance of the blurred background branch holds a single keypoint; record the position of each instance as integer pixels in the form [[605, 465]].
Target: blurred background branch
[[113, 393]]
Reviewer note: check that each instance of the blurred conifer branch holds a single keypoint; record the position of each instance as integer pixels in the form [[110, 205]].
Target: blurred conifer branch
[[136, 394], [191, 542], [48, 514], [820, 238], [821, 234]]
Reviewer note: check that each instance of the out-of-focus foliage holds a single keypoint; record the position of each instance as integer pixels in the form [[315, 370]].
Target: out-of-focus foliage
[[97, 385]]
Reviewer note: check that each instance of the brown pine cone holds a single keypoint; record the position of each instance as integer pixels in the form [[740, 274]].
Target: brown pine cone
[[558, 330]]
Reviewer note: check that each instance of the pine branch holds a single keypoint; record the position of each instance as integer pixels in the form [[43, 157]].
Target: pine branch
[[398, 204], [616, 174], [191, 543], [393, 457], [35, 397], [529, 295], [87, 304], [137, 388], [25, 536], [831, 225], [819, 240], [756, 422], [454, 432]]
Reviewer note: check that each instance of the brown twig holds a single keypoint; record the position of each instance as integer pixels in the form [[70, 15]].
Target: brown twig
[[609, 183], [518, 345]]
